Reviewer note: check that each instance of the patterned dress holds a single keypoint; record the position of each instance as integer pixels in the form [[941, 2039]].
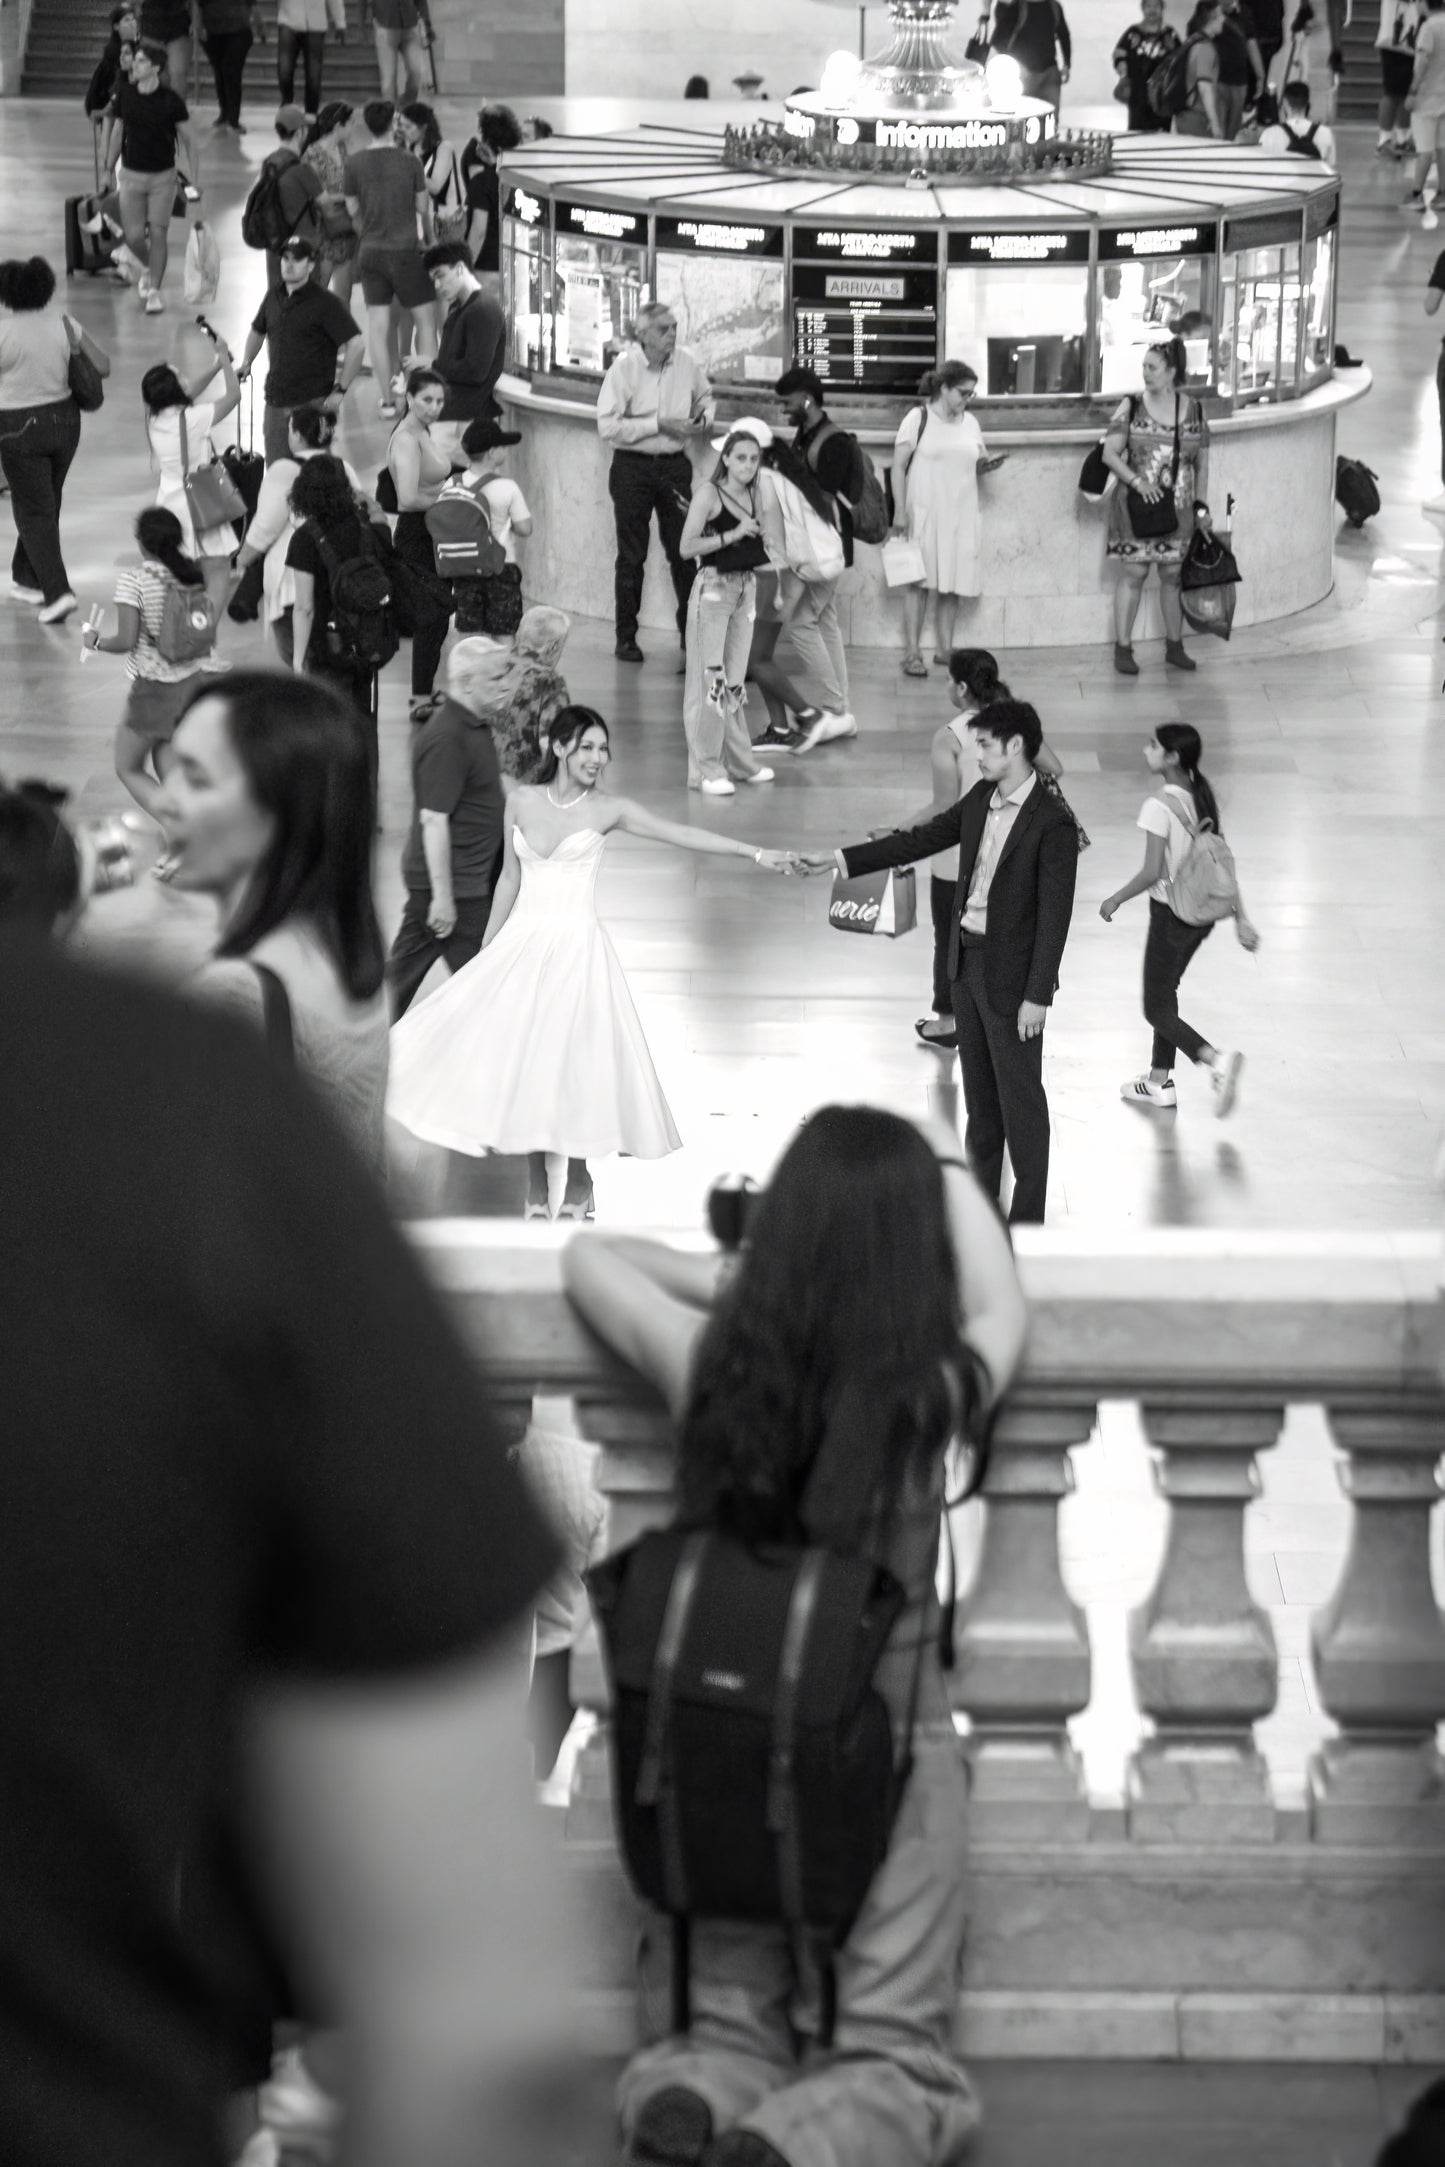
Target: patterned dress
[[1149, 449], [336, 241]]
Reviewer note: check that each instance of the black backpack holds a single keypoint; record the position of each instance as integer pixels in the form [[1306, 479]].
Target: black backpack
[[753, 1760], [1355, 491], [1167, 89], [864, 495], [1303, 146], [359, 625], [263, 220]]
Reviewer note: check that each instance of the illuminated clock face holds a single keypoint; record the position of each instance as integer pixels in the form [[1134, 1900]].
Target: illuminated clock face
[[847, 131]]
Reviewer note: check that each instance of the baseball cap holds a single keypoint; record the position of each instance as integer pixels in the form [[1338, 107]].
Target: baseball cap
[[298, 245], [291, 118], [488, 435], [748, 425]]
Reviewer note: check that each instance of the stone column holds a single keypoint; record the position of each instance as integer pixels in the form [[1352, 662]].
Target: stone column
[[1022, 1664], [1202, 1651], [1379, 1642]]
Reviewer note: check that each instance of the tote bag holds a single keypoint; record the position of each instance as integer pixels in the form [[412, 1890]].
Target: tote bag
[[211, 496], [885, 903]]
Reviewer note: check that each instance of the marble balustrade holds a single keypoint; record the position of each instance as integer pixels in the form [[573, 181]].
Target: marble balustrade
[[1203, 1917]]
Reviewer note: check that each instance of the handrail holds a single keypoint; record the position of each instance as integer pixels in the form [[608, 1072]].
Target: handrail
[[1206, 1910]]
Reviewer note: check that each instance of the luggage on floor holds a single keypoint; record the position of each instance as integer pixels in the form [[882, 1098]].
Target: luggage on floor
[[1355, 490], [90, 243]]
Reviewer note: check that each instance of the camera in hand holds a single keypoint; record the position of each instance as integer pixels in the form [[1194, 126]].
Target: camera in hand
[[731, 1202]]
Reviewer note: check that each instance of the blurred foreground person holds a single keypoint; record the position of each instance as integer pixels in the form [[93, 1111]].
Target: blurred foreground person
[[42, 880], [266, 1565]]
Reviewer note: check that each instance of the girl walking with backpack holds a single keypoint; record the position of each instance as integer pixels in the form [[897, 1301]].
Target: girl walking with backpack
[[1181, 810], [166, 629], [871, 1321], [341, 626]]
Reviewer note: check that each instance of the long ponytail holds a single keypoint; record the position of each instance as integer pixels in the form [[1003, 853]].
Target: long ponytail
[[975, 670], [1182, 739], [159, 534]]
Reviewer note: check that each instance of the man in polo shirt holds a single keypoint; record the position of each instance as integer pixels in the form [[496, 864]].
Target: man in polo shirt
[[314, 347], [473, 343], [655, 401], [455, 842]]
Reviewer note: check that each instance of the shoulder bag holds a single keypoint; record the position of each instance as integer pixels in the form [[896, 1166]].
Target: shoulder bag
[[1152, 522], [87, 385], [212, 498]]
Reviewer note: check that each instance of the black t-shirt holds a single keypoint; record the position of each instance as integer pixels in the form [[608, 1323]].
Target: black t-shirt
[[484, 193], [1230, 42], [454, 770], [303, 554], [304, 332], [149, 120], [241, 1442]]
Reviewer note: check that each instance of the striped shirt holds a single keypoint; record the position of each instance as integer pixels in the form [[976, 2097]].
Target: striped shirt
[[143, 588]]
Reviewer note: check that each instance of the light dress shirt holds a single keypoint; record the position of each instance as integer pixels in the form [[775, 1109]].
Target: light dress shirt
[[1002, 813], [635, 396]]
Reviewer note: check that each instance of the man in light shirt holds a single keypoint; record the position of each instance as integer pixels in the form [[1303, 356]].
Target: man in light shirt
[[655, 401], [1018, 857]]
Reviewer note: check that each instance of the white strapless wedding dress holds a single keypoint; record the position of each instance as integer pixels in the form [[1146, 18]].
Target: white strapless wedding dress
[[535, 1044]]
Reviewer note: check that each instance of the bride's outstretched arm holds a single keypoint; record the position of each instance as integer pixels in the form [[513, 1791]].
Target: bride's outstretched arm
[[504, 895], [638, 821]]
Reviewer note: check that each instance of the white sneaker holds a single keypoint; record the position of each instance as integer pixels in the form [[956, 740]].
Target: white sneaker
[[1224, 1076], [56, 612], [142, 277], [718, 786], [33, 595], [1429, 218], [1143, 1091], [1434, 504], [759, 775], [827, 725], [155, 306]]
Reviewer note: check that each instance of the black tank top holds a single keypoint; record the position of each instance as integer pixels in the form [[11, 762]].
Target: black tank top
[[745, 555]]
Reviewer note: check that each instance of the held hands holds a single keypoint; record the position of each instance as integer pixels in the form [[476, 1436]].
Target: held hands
[[778, 861], [1032, 1018], [441, 919], [816, 861]]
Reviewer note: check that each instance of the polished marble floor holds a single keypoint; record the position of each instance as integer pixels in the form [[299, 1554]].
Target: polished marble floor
[[1323, 736]]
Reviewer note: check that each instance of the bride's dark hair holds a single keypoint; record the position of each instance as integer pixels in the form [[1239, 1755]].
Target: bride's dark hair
[[563, 731]]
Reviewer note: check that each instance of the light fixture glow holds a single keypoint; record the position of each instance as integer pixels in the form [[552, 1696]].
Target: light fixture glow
[[840, 78], [1005, 79]]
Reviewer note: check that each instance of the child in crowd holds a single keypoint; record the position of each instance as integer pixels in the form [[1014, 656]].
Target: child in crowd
[[493, 607]]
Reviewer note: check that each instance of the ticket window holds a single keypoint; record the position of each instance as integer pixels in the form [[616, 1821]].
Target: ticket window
[[527, 294], [1023, 327], [1261, 316], [1143, 302], [599, 291]]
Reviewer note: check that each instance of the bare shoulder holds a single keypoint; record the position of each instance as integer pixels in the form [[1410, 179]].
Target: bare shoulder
[[613, 812]]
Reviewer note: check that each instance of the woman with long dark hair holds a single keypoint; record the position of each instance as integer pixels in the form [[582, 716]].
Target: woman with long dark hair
[[873, 1317], [267, 807], [535, 1046], [178, 430], [160, 686], [330, 525], [723, 535], [1157, 445], [1182, 805], [420, 132], [973, 684]]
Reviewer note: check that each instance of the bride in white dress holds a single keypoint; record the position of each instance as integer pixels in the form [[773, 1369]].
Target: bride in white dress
[[534, 1046]]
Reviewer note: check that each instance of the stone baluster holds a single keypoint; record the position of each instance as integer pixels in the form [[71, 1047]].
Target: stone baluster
[[1202, 1651], [1379, 1642], [1022, 1664]]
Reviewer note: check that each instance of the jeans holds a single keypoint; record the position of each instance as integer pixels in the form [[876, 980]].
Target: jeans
[[1003, 1090], [400, 63], [310, 44], [416, 948], [890, 2091], [640, 485], [1170, 949], [37, 444], [226, 50], [811, 644], [432, 599], [719, 636]]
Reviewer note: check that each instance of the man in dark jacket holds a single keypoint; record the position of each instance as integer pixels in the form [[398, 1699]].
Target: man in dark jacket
[[473, 344], [1018, 859]]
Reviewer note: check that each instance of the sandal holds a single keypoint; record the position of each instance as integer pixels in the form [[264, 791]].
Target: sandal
[[914, 665]]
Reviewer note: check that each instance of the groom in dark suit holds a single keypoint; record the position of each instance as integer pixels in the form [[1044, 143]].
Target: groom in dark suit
[[1017, 861]]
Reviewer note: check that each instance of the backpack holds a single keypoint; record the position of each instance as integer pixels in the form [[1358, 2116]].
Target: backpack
[[187, 631], [1168, 87], [864, 495], [1205, 887], [460, 526], [1303, 146], [359, 625], [1355, 490], [263, 221], [813, 549]]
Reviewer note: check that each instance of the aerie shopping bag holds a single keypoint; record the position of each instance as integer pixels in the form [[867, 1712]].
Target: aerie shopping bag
[[884, 903]]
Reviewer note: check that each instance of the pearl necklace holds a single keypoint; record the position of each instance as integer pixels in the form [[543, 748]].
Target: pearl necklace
[[568, 805]]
